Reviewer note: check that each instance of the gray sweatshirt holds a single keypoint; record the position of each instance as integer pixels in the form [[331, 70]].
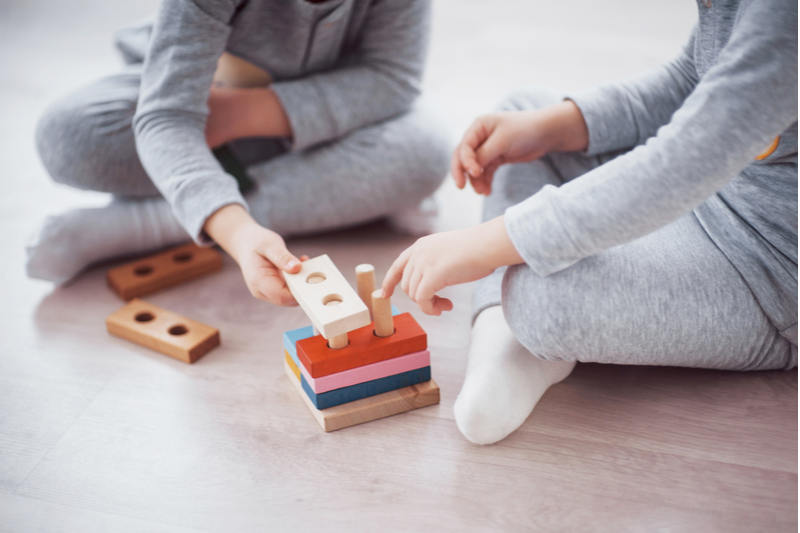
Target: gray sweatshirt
[[338, 66], [697, 124]]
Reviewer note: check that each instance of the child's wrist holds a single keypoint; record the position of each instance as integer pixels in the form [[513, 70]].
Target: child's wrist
[[494, 244], [570, 133], [227, 227]]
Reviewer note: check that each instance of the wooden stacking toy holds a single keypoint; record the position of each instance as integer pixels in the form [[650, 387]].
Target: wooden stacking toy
[[367, 362]]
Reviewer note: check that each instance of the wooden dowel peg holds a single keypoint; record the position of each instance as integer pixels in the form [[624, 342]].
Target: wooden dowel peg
[[365, 281], [338, 342], [382, 309]]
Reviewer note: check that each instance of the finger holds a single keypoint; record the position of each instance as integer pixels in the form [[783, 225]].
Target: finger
[[477, 184], [441, 304], [407, 273], [456, 171], [478, 134], [488, 177], [395, 273], [414, 282], [424, 298], [274, 290], [282, 258], [468, 160], [494, 148]]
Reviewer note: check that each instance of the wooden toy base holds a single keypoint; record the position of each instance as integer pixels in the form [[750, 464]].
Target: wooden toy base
[[369, 409]]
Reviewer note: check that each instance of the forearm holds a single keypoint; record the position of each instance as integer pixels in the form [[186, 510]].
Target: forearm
[[228, 227]]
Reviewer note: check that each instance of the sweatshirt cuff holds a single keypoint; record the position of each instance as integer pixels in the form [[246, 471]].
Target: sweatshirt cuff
[[538, 236], [306, 107], [192, 205], [602, 110]]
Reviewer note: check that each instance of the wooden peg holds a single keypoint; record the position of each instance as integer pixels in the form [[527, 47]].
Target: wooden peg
[[382, 308], [338, 342], [365, 281]]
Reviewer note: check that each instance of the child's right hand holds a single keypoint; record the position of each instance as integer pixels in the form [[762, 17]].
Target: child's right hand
[[515, 137], [260, 253]]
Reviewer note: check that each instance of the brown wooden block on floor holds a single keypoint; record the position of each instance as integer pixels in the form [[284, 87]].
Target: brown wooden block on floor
[[163, 331], [364, 348], [368, 409], [168, 268]]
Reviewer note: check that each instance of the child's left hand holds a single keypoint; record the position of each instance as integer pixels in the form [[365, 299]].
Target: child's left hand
[[450, 258]]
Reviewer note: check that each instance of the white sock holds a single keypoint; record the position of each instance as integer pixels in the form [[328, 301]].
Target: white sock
[[416, 221], [66, 244], [504, 381]]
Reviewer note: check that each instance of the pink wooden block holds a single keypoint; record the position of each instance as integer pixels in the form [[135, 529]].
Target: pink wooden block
[[381, 369]]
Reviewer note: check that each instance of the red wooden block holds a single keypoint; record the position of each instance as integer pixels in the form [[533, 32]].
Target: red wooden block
[[365, 347]]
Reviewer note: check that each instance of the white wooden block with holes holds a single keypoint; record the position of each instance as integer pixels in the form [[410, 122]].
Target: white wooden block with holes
[[330, 302]]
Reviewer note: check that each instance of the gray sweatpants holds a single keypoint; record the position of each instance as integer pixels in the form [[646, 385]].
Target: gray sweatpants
[[85, 140], [669, 298]]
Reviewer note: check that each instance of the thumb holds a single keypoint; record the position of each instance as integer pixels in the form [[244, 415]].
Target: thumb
[[491, 151], [282, 258]]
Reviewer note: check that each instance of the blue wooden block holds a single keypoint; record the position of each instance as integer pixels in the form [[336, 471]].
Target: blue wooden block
[[366, 389], [290, 338]]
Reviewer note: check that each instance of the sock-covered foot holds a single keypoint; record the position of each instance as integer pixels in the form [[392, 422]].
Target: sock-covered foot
[[66, 244], [504, 381]]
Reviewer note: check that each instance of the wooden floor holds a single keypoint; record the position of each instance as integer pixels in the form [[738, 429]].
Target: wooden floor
[[98, 435]]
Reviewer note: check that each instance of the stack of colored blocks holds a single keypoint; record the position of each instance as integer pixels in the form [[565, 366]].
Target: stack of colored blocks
[[391, 373]]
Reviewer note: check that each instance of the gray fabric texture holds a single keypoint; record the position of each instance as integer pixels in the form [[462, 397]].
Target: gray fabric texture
[[338, 66], [668, 298], [693, 128], [85, 139]]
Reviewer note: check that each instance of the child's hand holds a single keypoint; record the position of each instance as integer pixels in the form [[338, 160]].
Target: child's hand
[[515, 137], [260, 253], [444, 259]]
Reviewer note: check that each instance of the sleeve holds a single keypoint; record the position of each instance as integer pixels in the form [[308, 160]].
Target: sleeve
[[380, 77], [736, 110], [625, 114], [169, 124]]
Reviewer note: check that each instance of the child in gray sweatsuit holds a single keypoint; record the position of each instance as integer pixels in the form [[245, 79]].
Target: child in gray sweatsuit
[[315, 102], [651, 221]]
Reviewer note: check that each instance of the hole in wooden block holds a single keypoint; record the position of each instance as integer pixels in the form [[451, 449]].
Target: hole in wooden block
[[316, 277], [182, 257], [143, 270], [144, 316], [331, 300], [376, 333], [180, 329]]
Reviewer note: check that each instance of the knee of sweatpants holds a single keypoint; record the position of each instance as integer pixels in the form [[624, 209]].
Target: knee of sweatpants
[[536, 310], [76, 135], [58, 139], [530, 98]]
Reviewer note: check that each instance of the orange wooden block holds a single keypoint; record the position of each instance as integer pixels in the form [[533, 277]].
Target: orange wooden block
[[364, 348], [174, 266], [163, 331]]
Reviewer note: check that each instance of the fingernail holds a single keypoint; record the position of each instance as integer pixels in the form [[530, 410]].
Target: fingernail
[[293, 263]]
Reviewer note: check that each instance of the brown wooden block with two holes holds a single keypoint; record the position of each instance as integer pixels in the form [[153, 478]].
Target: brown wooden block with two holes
[[168, 268], [163, 331]]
